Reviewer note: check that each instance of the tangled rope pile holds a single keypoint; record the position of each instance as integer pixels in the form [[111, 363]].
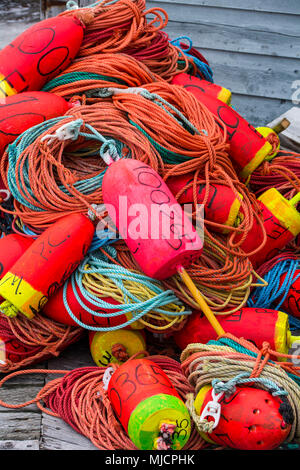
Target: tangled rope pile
[[228, 358], [80, 400], [110, 291], [89, 74], [26, 342], [126, 26]]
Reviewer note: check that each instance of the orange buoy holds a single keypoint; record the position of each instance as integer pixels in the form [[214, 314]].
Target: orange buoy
[[222, 204], [46, 265], [20, 112], [250, 419], [40, 53], [203, 86], [253, 324], [145, 400]]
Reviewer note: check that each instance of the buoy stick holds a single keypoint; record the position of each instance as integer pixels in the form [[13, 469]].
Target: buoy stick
[[281, 126], [294, 201], [201, 301]]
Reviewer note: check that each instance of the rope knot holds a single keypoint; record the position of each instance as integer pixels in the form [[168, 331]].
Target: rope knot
[[119, 352]]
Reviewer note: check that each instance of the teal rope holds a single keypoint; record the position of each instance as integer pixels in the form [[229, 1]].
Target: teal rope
[[79, 76], [137, 308], [86, 186]]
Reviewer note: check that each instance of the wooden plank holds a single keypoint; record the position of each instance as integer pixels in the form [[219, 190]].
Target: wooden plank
[[234, 38], [20, 425], [58, 435], [19, 445], [257, 110], [253, 20], [270, 77], [271, 6]]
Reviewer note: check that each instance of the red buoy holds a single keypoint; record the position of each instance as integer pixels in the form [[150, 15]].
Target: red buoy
[[20, 112], [158, 233], [212, 89], [56, 309], [250, 419], [282, 224], [248, 148], [256, 325], [39, 54], [222, 205], [12, 247], [46, 265]]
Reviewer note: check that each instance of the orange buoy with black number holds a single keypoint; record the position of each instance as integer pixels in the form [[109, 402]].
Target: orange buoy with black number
[[12, 247], [281, 222], [116, 346], [45, 265], [202, 86], [222, 205], [253, 324], [20, 112], [40, 53], [250, 419], [56, 309], [148, 406]]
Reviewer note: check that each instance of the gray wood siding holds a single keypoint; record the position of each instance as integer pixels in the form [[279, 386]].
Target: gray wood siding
[[252, 46]]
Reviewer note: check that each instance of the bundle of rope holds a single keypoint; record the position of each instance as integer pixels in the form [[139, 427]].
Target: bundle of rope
[[25, 342], [235, 361], [224, 280], [89, 74], [81, 401], [106, 290], [126, 26], [282, 173], [43, 186]]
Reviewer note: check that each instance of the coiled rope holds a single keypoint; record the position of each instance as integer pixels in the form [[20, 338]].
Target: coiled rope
[[80, 400]]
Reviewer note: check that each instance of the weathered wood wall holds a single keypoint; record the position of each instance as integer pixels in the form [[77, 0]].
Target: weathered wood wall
[[253, 48]]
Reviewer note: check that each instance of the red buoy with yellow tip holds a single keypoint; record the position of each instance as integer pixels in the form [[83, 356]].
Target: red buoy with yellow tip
[[271, 136], [222, 205], [20, 112], [146, 403], [45, 265], [116, 346], [248, 148], [250, 419], [281, 222], [39, 54], [202, 86], [253, 324]]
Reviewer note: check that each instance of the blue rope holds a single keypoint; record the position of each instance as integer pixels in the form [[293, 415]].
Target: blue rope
[[132, 306], [244, 378], [273, 295], [204, 70]]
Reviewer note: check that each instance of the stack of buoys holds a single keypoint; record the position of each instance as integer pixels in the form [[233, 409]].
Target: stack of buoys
[[137, 205]]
